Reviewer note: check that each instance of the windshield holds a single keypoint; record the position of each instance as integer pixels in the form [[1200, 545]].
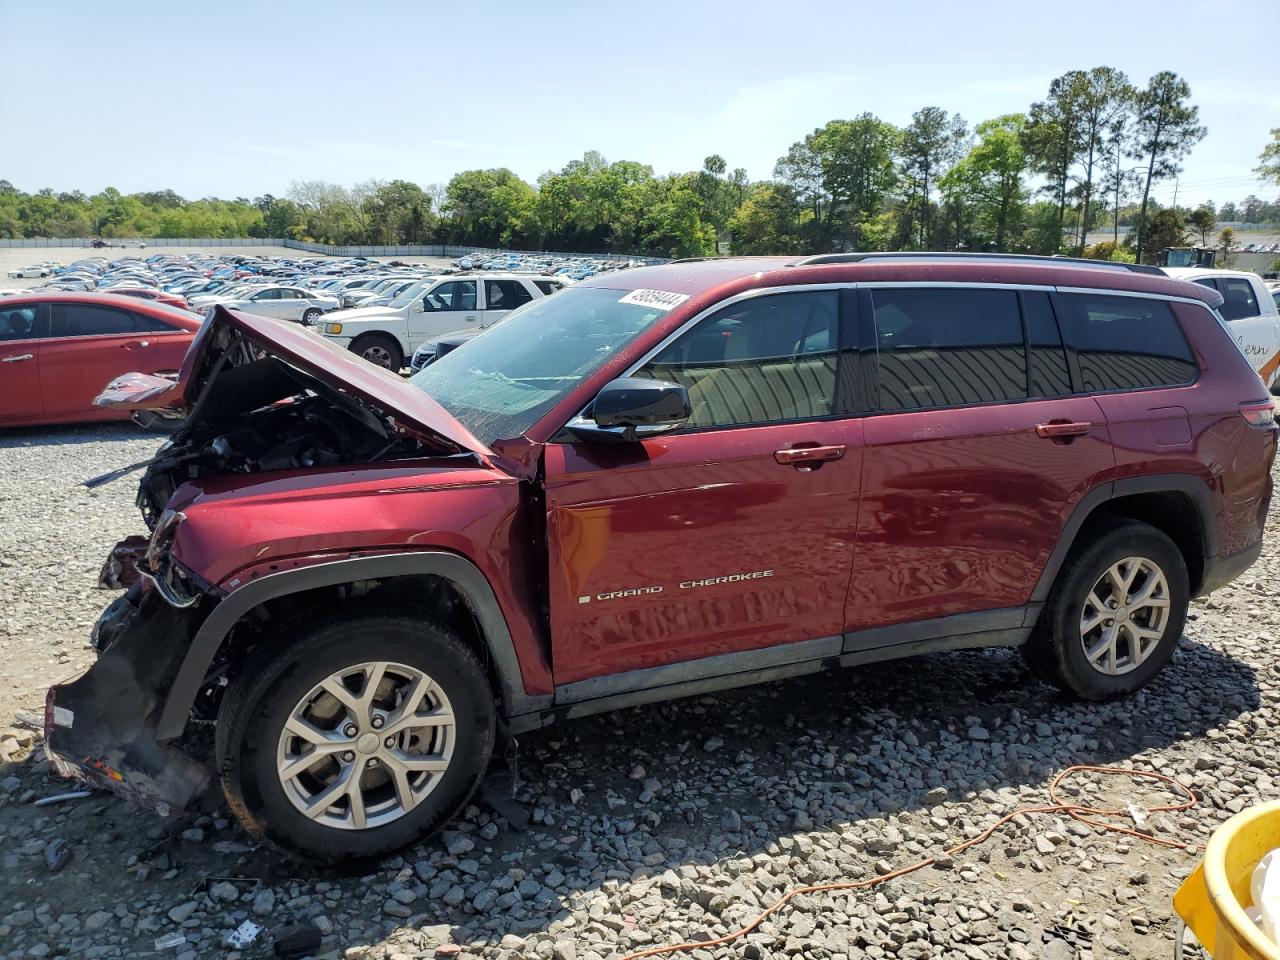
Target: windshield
[[500, 383], [406, 296]]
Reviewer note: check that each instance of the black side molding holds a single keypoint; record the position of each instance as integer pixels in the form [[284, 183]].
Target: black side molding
[[459, 571]]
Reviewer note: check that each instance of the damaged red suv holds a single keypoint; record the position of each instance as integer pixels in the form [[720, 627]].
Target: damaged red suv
[[659, 482]]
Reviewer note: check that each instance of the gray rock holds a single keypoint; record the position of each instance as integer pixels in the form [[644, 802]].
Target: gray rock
[[183, 911], [264, 901]]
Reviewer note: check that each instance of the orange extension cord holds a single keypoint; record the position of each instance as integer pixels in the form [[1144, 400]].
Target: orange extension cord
[[1085, 815]]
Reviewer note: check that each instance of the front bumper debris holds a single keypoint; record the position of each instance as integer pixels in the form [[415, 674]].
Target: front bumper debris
[[101, 727]]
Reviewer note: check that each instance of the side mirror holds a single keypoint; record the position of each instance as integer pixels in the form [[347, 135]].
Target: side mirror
[[630, 409], [419, 307]]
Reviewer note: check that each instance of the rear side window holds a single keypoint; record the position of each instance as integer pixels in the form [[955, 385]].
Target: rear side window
[[21, 323], [89, 319], [548, 287], [1126, 343], [505, 294], [948, 347], [145, 323]]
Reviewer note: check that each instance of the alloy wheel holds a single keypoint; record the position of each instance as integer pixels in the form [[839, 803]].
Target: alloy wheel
[[379, 355], [1124, 616], [366, 745]]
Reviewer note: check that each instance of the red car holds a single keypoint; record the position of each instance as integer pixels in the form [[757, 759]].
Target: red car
[[656, 483], [150, 293], [58, 350]]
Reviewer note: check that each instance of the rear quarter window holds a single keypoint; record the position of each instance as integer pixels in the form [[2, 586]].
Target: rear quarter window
[[1126, 343]]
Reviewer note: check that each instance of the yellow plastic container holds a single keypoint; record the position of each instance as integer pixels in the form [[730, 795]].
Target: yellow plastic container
[[1212, 900]]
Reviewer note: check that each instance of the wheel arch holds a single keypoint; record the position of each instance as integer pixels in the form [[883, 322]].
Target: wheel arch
[[1179, 505], [459, 573]]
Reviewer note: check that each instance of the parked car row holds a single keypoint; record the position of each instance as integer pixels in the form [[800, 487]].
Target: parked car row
[[575, 267]]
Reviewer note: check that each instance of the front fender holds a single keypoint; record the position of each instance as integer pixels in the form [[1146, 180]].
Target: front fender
[[459, 571]]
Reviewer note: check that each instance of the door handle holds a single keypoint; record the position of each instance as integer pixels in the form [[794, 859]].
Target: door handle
[[471, 319], [18, 358], [1063, 429], [136, 344], [804, 458]]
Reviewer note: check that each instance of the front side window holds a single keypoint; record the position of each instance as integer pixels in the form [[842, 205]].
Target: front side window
[[766, 359], [454, 295], [1239, 300], [88, 320], [939, 347], [272, 294], [1126, 343], [499, 384], [21, 323]]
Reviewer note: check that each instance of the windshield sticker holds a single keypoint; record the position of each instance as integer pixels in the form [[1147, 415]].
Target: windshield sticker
[[659, 299]]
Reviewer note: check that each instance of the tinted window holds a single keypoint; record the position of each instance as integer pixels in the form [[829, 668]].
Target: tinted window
[[505, 294], [1239, 299], [89, 319], [144, 323], [1126, 343], [763, 360], [454, 295], [940, 348], [1049, 372], [20, 323], [272, 294], [547, 286]]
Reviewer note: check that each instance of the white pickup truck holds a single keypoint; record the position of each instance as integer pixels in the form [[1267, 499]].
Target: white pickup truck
[[1251, 314], [389, 335]]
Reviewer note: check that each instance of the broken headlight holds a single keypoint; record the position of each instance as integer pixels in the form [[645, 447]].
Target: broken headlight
[[159, 567]]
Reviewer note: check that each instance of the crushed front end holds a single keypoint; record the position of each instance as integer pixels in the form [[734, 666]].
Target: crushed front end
[[102, 726]]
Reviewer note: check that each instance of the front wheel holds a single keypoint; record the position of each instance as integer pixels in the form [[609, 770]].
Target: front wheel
[[1114, 615], [356, 738], [380, 350], [310, 316]]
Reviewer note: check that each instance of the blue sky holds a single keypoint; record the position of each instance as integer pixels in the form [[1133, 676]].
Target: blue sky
[[241, 98]]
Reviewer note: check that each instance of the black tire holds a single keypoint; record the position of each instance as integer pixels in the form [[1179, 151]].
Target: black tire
[[310, 316], [375, 346], [1055, 652], [257, 704]]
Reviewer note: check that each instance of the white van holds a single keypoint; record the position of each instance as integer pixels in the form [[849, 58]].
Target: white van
[[389, 335], [1251, 314]]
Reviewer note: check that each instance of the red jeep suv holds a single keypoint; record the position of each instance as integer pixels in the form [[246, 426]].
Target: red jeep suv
[[659, 482]]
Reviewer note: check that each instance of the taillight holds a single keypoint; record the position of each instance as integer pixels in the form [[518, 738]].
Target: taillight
[[1261, 414]]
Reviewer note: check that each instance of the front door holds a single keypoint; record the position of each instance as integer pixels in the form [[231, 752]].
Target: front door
[[731, 538], [447, 307], [21, 330], [89, 346], [976, 452]]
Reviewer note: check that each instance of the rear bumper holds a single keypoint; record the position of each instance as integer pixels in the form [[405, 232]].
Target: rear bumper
[[101, 727]]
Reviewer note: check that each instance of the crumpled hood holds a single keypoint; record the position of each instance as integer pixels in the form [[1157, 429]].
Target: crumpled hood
[[229, 341]]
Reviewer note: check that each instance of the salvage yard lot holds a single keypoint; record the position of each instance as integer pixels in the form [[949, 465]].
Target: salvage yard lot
[[661, 823]]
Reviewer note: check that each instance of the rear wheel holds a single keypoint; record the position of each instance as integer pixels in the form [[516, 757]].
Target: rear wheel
[[356, 739], [379, 349], [1114, 616]]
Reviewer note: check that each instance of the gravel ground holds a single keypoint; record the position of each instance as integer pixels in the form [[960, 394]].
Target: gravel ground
[[662, 823]]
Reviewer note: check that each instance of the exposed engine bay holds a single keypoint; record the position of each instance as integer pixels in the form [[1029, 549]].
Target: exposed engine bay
[[254, 413]]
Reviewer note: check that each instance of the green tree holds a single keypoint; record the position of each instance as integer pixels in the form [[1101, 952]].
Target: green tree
[[930, 144], [1103, 97], [488, 208], [1268, 167], [768, 222], [1226, 240], [991, 178], [1167, 229], [1166, 127], [1202, 221], [1055, 138]]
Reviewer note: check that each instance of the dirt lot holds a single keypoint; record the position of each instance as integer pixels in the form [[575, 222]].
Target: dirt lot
[[661, 823]]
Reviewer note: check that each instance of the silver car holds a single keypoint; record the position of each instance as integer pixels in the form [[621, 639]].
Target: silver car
[[283, 303]]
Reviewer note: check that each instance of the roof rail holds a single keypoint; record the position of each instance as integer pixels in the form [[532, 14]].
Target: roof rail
[[825, 258]]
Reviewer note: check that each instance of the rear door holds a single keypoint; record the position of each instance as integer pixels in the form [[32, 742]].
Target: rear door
[[22, 329], [976, 453], [89, 345], [728, 542], [500, 298]]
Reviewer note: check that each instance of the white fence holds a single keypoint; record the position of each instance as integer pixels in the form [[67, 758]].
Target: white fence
[[404, 250]]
